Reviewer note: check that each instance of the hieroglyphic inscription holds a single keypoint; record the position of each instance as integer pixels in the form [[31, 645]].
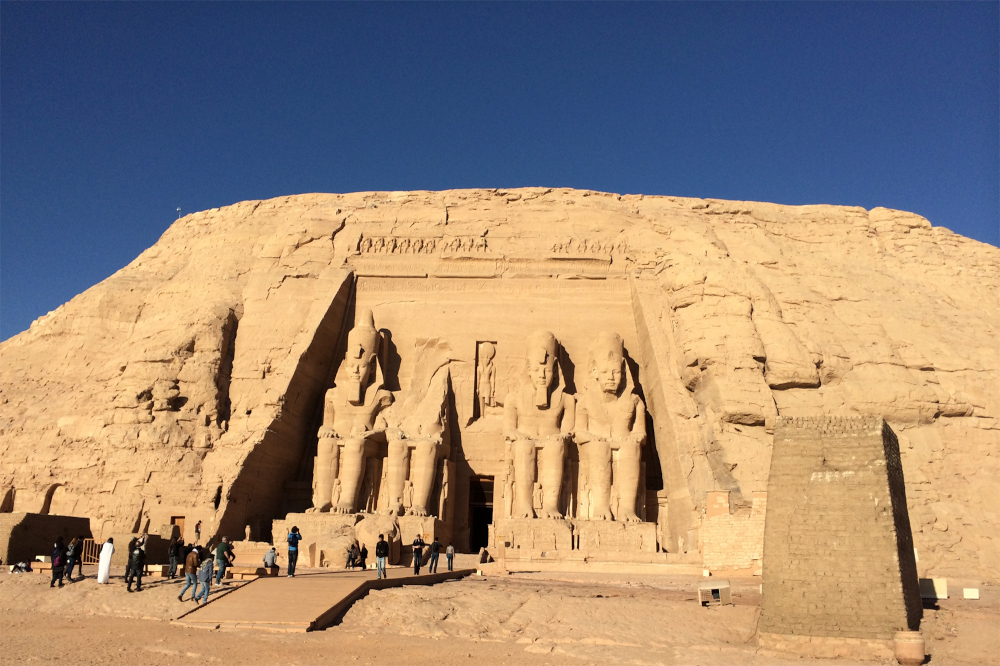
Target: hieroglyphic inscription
[[578, 246], [407, 245], [495, 286]]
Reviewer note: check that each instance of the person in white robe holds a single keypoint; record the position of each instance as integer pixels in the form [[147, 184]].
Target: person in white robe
[[104, 565]]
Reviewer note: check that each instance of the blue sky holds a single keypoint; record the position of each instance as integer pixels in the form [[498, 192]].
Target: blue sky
[[114, 114]]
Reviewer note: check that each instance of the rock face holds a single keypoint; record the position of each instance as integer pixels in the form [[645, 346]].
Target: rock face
[[190, 384]]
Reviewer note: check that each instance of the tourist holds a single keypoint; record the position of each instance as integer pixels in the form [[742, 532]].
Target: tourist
[[137, 559], [128, 555], [363, 557], [58, 562], [381, 555], [418, 553], [205, 578], [435, 553], [197, 532], [73, 551], [224, 557], [271, 558], [293, 550], [79, 558], [190, 573], [352, 556], [173, 552], [449, 552], [104, 562]]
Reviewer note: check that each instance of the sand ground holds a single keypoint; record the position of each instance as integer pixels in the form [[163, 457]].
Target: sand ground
[[523, 619]]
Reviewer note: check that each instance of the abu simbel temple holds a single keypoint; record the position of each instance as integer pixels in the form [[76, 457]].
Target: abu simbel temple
[[591, 380]]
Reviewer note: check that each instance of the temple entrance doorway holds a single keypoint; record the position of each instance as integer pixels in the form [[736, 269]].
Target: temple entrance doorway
[[480, 511]]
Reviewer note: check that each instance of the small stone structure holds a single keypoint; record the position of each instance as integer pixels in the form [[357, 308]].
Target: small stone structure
[[25, 535], [733, 541], [839, 572]]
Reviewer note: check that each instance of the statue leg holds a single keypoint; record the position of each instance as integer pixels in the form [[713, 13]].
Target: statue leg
[[629, 460], [351, 473], [524, 478], [395, 476], [324, 472], [422, 476], [598, 454], [553, 457]]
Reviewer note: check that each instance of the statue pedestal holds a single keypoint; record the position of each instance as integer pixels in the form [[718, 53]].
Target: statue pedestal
[[610, 536], [326, 537], [535, 534], [606, 537]]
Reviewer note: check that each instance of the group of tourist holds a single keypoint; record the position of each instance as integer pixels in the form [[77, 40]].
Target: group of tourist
[[64, 558], [434, 551]]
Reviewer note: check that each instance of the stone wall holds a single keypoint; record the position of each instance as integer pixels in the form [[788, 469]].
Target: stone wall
[[26, 535], [838, 554], [733, 542]]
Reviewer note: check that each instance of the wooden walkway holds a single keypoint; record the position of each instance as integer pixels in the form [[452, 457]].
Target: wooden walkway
[[307, 602]]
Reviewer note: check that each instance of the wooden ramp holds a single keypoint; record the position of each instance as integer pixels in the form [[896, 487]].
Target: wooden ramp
[[307, 602]]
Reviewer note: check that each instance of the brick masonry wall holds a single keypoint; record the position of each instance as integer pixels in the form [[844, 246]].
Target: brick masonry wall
[[838, 553], [733, 542]]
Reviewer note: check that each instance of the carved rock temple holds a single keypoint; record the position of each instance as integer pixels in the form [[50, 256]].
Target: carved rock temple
[[577, 378]]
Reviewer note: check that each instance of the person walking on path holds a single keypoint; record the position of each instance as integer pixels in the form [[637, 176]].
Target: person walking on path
[[418, 553], [223, 557], [197, 532], [79, 558], [352, 556], [73, 551], [128, 556], [205, 578], [449, 552], [137, 559], [435, 553], [381, 555], [104, 562], [58, 562], [190, 574], [363, 557], [293, 550], [173, 552], [271, 558]]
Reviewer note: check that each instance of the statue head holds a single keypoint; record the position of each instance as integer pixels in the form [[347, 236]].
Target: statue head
[[540, 364], [362, 345], [607, 359], [486, 353]]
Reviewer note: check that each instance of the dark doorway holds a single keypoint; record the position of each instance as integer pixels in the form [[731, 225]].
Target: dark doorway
[[480, 511]]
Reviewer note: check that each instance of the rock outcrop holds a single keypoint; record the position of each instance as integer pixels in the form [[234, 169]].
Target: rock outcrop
[[190, 383]]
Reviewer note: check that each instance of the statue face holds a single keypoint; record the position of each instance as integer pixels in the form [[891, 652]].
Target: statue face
[[541, 367], [357, 369], [607, 372]]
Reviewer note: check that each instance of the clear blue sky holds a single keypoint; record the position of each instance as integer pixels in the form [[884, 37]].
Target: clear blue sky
[[113, 115]]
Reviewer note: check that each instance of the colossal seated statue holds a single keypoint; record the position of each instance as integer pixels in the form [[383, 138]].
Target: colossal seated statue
[[416, 434], [350, 411], [538, 420], [610, 417]]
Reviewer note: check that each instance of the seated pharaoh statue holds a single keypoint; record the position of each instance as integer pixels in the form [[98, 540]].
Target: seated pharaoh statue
[[538, 420], [416, 432], [350, 411], [609, 418]]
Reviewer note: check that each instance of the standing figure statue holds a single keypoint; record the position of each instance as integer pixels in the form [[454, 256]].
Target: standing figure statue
[[417, 434], [486, 377], [610, 417], [349, 414], [538, 419]]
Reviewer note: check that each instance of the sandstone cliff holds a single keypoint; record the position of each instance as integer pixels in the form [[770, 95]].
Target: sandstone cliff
[[188, 382]]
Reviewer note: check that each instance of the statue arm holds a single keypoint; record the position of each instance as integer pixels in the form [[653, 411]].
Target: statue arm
[[510, 418], [639, 430], [329, 414], [569, 415], [582, 424]]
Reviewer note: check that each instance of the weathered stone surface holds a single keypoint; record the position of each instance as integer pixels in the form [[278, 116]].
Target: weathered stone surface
[[191, 382]]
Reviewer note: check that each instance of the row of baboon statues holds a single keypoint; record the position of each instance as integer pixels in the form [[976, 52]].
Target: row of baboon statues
[[607, 421]]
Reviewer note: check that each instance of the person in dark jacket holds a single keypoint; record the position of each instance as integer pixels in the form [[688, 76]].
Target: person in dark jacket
[[128, 556], [79, 558], [205, 578], [418, 553], [381, 555], [363, 557], [137, 559], [173, 553], [352, 556], [435, 553], [58, 562]]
